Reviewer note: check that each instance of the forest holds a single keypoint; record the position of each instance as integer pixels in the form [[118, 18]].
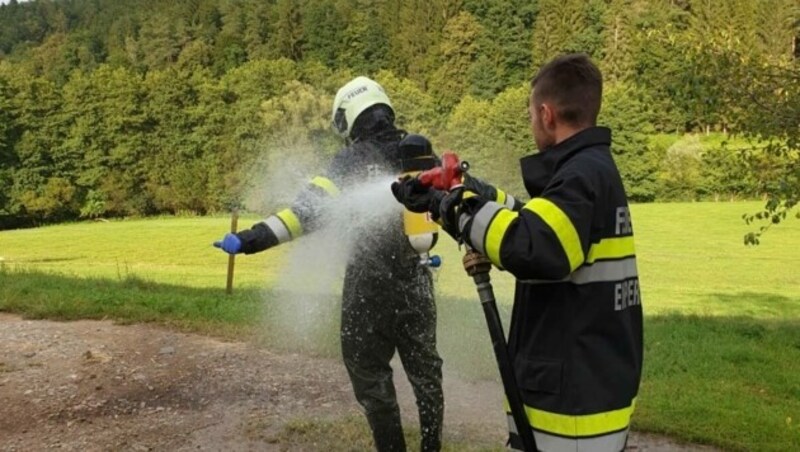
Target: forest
[[112, 108]]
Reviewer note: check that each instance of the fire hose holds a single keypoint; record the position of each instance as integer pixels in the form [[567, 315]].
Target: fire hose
[[447, 177]]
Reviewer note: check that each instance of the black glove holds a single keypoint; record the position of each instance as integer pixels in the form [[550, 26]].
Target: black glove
[[409, 192], [447, 212], [455, 209]]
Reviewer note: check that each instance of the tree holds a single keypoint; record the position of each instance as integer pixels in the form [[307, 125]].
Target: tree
[[562, 26], [56, 200], [257, 28], [364, 46], [762, 96], [619, 35], [679, 173], [505, 41], [777, 26], [9, 134], [470, 134], [458, 50], [415, 36], [775, 93], [323, 27], [493, 136], [415, 109], [41, 132], [105, 140], [629, 120], [159, 43], [286, 26]]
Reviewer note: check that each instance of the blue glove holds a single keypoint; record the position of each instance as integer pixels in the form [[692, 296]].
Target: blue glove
[[231, 244]]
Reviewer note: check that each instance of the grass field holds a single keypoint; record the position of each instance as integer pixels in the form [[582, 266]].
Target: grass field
[[722, 338]]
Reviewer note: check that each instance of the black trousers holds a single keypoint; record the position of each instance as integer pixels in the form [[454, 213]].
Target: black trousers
[[383, 313]]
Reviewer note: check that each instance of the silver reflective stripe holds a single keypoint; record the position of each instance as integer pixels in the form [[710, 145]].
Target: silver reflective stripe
[[613, 442], [509, 201], [280, 229], [604, 271], [480, 224], [512, 426], [462, 222]]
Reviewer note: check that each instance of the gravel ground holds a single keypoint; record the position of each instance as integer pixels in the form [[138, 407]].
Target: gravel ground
[[98, 386]]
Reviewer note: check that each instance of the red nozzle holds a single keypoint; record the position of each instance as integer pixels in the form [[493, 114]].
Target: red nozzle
[[447, 176]]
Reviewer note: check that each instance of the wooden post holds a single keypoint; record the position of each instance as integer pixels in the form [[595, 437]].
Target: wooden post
[[232, 257]]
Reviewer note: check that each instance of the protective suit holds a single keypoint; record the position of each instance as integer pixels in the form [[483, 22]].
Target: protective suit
[[388, 302]]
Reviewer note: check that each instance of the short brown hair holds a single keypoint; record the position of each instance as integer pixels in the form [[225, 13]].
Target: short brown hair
[[574, 84]]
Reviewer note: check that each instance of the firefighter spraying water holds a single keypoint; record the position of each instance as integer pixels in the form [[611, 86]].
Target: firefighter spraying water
[[576, 326]]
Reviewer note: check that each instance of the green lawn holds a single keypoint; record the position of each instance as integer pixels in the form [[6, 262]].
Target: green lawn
[[722, 363]]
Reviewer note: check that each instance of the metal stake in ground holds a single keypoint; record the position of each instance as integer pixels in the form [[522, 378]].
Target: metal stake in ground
[[478, 266], [232, 257]]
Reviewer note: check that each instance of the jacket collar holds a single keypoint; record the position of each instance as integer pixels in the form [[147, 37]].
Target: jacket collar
[[538, 169]]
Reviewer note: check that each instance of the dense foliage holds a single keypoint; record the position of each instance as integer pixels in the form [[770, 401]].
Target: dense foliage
[[138, 107]]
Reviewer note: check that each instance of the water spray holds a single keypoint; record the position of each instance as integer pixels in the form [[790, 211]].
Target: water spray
[[313, 268]]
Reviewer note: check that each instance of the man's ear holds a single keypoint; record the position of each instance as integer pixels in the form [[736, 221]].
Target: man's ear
[[548, 116]]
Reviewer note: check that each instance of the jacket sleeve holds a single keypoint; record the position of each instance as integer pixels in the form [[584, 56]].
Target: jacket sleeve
[[301, 217], [547, 239], [491, 193]]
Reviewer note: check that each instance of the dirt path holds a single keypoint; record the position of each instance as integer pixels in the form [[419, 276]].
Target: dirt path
[[96, 386]]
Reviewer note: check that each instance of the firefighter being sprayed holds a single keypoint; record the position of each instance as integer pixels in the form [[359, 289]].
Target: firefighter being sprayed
[[388, 304]]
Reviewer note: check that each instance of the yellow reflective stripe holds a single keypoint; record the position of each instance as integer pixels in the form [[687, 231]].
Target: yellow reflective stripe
[[612, 248], [495, 233], [501, 197], [562, 226], [326, 184], [578, 425], [291, 221]]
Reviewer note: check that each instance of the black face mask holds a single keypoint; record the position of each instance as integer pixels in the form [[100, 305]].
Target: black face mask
[[372, 121]]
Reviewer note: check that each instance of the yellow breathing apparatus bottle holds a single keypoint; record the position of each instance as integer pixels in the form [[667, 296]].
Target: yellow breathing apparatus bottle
[[416, 156]]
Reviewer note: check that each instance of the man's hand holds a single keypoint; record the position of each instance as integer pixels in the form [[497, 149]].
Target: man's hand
[[448, 211], [409, 192], [231, 244], [451, 209], [455, 210]]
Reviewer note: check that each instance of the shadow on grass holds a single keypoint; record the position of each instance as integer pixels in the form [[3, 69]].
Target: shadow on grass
[[759, 304], [728, 381], [44, 260]]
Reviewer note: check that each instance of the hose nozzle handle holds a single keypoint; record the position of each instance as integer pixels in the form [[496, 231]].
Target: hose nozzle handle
[[446, 176]]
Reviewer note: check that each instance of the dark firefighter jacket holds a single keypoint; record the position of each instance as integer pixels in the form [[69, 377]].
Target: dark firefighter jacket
[[576, 328], [377, 253]]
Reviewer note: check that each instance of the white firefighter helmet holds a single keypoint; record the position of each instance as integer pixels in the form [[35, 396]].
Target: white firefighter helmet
[[352, 99]]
